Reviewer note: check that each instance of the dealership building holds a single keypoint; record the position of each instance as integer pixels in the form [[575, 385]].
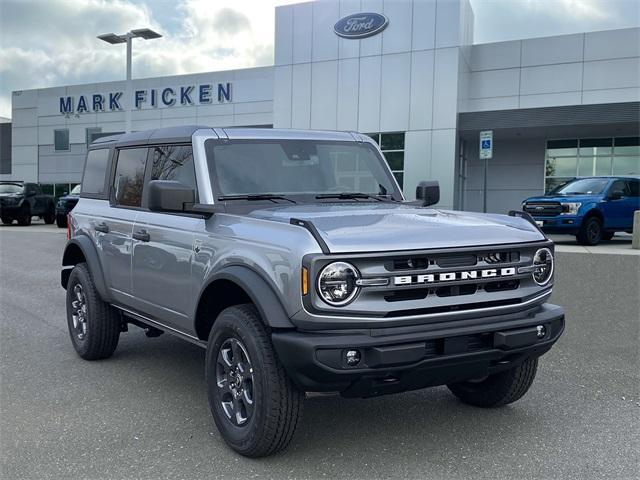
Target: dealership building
[[405, 72]]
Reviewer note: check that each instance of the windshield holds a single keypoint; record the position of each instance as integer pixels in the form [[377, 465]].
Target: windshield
[[298, 167], [75, 190], [584, 186], [10, 188]]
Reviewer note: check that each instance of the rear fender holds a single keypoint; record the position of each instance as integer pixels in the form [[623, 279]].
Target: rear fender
[[81, 249]]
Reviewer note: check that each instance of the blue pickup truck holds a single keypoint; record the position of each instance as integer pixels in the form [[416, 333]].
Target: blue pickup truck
[[592, 208]]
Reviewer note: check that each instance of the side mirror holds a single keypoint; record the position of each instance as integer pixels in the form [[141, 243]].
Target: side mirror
[[616, 195], [428, 193], [169, 196]]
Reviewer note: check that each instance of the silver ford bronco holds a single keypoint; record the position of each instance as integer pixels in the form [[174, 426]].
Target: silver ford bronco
[[294, 259]]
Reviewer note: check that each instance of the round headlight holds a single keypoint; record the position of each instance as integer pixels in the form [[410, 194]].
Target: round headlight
[[337, 283], [543, 266]]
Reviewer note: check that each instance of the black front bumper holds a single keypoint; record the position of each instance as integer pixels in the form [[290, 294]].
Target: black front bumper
[[408, 358], [10, 210]]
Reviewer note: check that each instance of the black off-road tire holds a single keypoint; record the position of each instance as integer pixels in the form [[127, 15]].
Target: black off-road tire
[[7, 220], [590, 232], [498, 389], [50, 216], [103, 323], [277, 403], [24, 217], [61, 221]]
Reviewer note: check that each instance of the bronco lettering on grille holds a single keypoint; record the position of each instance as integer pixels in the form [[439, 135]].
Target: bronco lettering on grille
[[453, 276]]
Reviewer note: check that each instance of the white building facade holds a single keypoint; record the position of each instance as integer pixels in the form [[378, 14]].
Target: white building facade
[[558, 106]]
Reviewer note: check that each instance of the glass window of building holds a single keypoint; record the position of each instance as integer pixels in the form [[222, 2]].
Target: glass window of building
[[61, 139], [392, 146], [588, 157], [91, 133]]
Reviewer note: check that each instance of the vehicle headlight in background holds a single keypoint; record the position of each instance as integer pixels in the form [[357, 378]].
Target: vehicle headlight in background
[[542, 266], [337, 283], [570, 208], [61, 203]]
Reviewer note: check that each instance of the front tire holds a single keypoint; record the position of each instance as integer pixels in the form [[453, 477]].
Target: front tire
[[254, 404], [590, 231], [61, 221], [94, 326], [50, 216], [498, 389], [24, 218]]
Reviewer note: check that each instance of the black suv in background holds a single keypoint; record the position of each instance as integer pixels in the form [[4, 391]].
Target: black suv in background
[[65, 205], [22, 200]]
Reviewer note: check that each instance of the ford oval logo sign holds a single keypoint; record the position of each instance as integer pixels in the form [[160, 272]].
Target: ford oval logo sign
[[360, 25]]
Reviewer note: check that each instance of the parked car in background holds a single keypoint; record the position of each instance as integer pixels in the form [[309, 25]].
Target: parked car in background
[[22, 200], [65, 205], [593, 209]]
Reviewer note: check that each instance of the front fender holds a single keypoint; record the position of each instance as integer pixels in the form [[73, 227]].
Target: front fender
[[89, 254], [261, 293]]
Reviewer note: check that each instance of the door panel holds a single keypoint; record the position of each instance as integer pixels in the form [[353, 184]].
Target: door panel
[[619, 212], [161, 270], [115, 243]]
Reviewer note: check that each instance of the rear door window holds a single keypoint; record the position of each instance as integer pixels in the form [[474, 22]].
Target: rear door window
[[95, 173], [129, 177]]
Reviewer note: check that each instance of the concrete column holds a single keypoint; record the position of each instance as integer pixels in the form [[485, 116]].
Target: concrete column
[[635, 242]]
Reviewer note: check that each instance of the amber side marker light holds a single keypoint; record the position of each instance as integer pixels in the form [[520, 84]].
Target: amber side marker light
[[305, 281]]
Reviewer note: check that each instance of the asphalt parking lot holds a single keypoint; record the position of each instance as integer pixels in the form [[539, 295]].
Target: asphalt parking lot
[[144, 413]]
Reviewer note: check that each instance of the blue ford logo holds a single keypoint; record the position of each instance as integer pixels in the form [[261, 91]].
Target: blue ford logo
[[360, 25]]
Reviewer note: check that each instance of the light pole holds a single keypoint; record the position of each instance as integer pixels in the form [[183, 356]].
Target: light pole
[[127, 38]]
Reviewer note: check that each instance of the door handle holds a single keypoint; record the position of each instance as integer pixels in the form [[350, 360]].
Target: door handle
[[101, 227], [142, 235]]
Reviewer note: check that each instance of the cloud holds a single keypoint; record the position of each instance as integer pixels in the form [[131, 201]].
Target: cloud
[[45, 43], [499, 20]]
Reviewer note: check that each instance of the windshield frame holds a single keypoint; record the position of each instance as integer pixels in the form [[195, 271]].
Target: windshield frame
[[606, 181], [19, 187], [310, 197]]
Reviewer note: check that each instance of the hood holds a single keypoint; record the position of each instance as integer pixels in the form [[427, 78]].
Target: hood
[[70, 197], [4, 195], [389, 227], [565, 198]]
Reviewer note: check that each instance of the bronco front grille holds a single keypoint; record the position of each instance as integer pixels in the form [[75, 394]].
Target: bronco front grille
[[435, 281]]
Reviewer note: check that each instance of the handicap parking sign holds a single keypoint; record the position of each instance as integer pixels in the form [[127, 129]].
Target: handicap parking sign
[[486, 144]]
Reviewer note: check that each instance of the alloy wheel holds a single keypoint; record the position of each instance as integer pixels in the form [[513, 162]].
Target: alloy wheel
[[234, 380], [79, 312]]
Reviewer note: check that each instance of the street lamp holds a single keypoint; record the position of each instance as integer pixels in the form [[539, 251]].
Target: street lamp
[[127, 38]]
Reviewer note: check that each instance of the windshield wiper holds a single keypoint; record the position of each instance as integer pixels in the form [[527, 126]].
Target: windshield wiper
[[354, 195], [255, 196]]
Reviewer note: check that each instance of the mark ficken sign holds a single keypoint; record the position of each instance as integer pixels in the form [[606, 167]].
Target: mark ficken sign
[[203, 94]]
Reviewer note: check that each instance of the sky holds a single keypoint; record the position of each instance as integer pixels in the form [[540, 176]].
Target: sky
[[46, 43]]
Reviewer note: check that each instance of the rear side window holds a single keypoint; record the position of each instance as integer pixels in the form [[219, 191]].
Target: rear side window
[[174, 162], [129, 177], [95, 173], [634, 187]]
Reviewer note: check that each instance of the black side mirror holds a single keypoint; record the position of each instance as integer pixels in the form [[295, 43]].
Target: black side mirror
[[428, 193], [616, 195], [169, 196]]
